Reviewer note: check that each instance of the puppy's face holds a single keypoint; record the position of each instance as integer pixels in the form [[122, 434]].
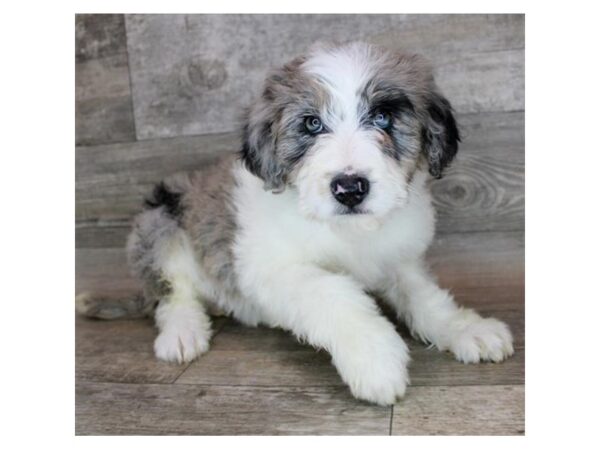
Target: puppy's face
[[348, 127]]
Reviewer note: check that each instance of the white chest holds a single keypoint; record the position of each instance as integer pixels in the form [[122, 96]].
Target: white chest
[[273, 235]]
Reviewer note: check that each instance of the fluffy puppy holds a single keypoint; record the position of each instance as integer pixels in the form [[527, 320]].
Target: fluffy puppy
[[326, 201]]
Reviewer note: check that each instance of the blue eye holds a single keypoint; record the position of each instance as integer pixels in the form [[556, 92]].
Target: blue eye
[[313, 124], [382, 120]]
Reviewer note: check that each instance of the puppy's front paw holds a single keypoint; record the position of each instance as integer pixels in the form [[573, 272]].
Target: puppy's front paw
[[377, 371], [180, 345], [482, 340]]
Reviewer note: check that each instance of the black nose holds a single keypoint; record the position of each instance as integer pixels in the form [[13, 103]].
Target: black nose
[[349, 190]]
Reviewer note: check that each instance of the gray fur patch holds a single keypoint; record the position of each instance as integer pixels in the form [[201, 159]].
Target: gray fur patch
[[152, 230], [209, 220], [274, 138]]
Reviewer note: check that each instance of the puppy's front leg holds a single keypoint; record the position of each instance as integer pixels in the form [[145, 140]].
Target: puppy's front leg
[[331, 311], [433, 316]]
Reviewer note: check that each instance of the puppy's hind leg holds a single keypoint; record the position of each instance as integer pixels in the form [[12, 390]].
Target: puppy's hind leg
[[163, 257]]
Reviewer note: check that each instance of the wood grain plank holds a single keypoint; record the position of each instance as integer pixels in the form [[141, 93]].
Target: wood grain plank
[[483, 82], [102, 233], [123, 409], [461, 410], [122, 351], [488, 298], [104, 271], [435, 35], [103, 110], [191, 75], [480, 260], [112, 180], [99, 35], [483, 190]]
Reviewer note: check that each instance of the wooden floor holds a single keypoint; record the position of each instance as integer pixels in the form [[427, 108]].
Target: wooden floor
[[261, 381]]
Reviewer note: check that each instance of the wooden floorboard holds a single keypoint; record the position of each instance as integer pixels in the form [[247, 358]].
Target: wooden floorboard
[[461, 410], [122, 351], [142, 409]]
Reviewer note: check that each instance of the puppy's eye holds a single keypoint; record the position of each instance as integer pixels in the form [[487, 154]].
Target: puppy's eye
[[382, 120], [313, 125]]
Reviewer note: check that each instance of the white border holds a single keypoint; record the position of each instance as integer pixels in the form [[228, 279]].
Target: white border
[[562, 161]]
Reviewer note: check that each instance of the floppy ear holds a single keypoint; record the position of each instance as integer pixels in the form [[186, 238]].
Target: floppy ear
[[258, 152], [259, 137], [440, 134]]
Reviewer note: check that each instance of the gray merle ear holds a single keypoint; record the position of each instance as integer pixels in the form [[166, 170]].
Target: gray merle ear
[[259, 156], [259, 140], [262, 128], [440, 134]]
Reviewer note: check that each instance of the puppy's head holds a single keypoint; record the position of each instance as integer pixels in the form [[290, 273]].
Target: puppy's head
[[348, 127]]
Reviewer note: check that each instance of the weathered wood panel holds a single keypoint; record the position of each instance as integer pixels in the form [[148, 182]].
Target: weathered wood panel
[[119, 351], [191, 75], [99, 35], [479, 260], [122, 351], [112, 180], [103, 109], [101, 234], [435, 35], [103, 271], [117, 409], [485, 298], [461, 410], [483, 82], [483, 190]]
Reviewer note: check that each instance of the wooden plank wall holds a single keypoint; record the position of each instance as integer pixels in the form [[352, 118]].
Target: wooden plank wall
[[158, 94]]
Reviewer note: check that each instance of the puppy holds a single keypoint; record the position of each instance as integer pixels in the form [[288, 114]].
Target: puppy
[[326, 201]]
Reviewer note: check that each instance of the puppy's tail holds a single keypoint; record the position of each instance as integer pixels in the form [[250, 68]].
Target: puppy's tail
[[113, 307]]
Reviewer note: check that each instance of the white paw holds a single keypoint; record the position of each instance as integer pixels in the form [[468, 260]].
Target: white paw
[[184, 332], [376, 370], [482, 340], [180, 345]]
